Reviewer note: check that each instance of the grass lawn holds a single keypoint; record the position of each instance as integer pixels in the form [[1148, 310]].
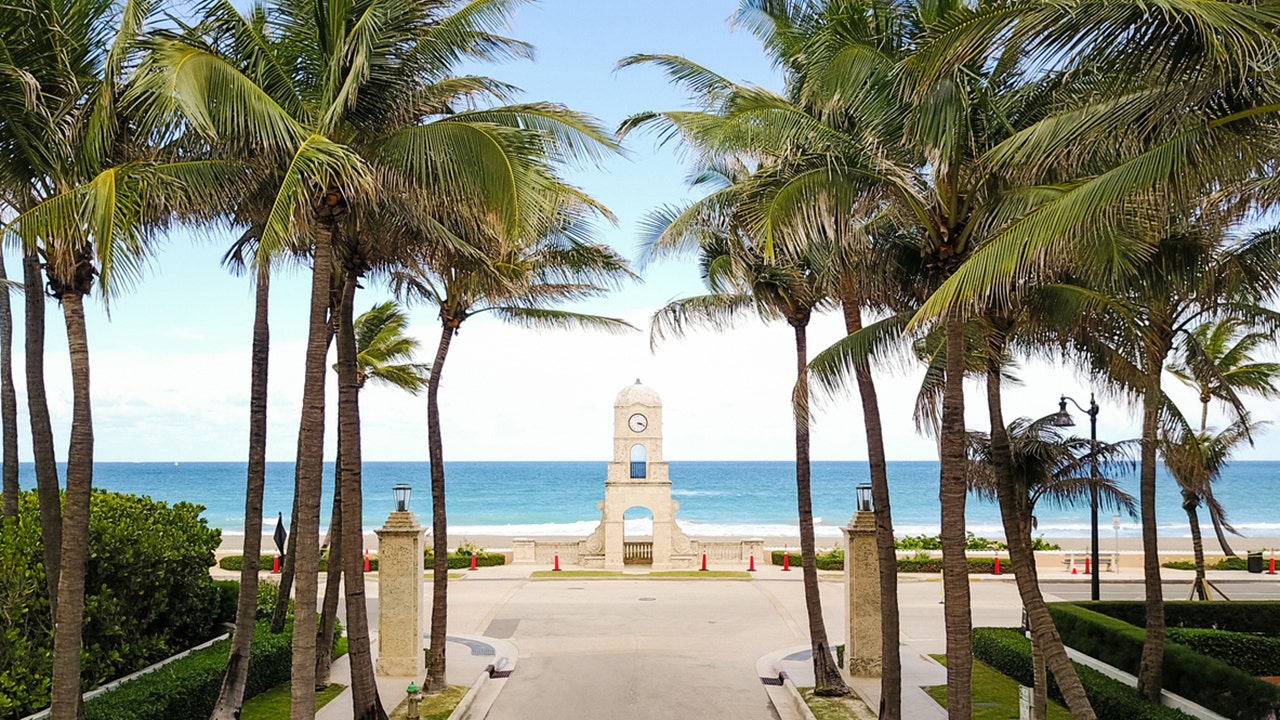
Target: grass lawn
[[433, 707], [665, 575], [995, 695], [274, 703], [836, 708]]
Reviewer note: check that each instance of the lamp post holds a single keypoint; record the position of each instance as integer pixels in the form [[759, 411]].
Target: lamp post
[[863, 638], [1063, 419], [400, 591]]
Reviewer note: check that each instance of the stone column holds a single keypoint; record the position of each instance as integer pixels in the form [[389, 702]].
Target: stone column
[[524, 551], [400, 611], [862, 650]]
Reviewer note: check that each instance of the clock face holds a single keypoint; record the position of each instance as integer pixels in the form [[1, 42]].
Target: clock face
[[637, 423]]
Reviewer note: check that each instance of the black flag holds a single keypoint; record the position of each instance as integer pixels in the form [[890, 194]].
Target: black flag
[[280, 535]]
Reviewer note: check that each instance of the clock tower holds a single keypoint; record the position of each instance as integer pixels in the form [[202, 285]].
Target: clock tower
[[637, 477]]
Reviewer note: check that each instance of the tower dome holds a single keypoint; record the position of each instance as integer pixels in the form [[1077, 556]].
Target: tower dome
[[638, 394]]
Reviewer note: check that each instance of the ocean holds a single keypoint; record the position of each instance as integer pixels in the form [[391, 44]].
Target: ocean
[[735, 499]]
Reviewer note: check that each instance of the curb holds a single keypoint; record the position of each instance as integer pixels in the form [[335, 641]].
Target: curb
[[489, 683], [783, 693]]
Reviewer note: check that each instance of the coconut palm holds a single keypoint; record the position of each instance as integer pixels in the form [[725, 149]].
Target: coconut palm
[[332, 106], [519, 280], [1195, 273], [8, 403], [1226, 369], [98, 199], [1040, 464], [1196, 460], [743, 279], [383, 353]]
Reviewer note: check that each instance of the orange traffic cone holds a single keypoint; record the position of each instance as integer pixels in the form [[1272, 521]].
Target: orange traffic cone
[[704, 562], [752, 566], [473, 561], [275, 564], [366, 559], [1272, 571], [557, 567], [1086, 566], [996, 571], [786, 561]]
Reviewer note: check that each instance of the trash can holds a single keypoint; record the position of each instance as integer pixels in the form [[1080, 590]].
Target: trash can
[[1255, 562]]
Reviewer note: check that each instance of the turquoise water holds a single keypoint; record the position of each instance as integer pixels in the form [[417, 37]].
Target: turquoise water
[[747, 499]]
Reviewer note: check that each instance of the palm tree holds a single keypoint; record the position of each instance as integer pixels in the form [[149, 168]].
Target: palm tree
[[231, 694], [1226, 369], [520, 280], [8, 403], [1039, 464], [742, 277], [95, 201], [1127, 336], [383, 353], [1195, 460], [332, 106]]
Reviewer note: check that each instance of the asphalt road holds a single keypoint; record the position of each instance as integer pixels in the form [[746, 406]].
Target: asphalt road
[[1172, 591]]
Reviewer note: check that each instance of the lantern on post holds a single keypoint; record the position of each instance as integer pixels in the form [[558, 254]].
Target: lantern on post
[[401, 492], [864, 497]]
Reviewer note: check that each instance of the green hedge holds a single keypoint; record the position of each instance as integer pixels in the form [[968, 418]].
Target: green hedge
[[1008, 651], [236, 562], [463, 560], [148, 593], [834, 560], [1253, 654], [188, 688], [1260, 617], [830, 560], [1226, 563], [1203, 680]]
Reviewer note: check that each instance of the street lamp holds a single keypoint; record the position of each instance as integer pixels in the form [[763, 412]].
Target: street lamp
[[1062, 418], [401, 492], [864, 497]]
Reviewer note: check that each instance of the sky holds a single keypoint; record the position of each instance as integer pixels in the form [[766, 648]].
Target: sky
[[170, 361]]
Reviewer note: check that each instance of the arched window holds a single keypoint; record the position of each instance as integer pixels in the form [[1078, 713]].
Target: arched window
[[638, 462]]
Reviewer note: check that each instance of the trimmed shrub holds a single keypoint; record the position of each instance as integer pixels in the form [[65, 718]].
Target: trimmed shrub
[[833, 559], [1203, 680], [148, 593], [188, 688], [1008, 651], [1259, 617], [463, 560], [235, 563], [1226, 563], [1253, 654], [228, 599], [977, 566]]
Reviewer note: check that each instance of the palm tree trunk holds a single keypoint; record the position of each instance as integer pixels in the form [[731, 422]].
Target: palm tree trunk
[[41, 428], [827, 679], [69, 621], [231, 696], [364, 688], [436, 681], [1014, 514], [8, 401], [1217, 523], [952, 490], [332, 581], [890, 650], [309, 476], [1040, 676], [1190, 501], [1151, 666]]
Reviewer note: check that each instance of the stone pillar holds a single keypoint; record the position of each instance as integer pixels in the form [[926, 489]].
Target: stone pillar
[[862, 650], [400, 610]]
